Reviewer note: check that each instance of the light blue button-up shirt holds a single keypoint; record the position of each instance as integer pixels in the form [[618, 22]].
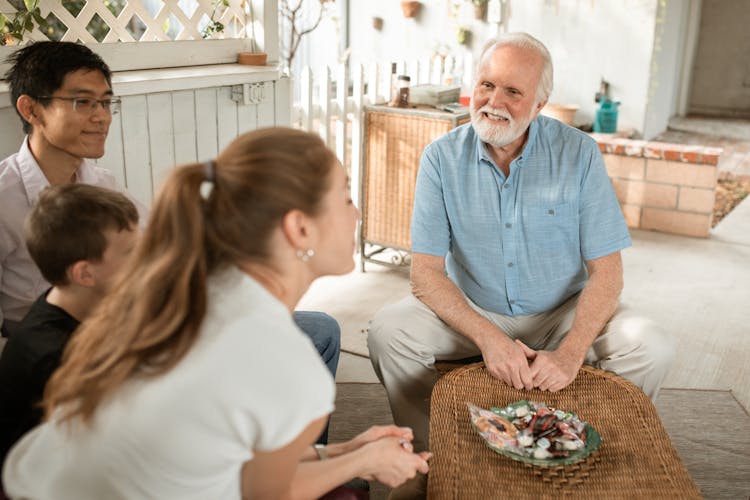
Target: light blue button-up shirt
[[517, 244]]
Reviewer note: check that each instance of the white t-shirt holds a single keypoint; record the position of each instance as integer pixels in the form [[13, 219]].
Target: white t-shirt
[[253, 380]]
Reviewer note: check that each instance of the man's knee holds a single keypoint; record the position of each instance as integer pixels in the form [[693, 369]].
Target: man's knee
[[656, 345], [322, 329], [661, 347], [384, 330]]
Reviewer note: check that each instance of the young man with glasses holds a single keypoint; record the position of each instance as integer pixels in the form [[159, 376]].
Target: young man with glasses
[[63, 94]]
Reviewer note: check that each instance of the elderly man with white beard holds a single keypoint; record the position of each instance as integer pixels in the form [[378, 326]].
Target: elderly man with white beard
[[516, 238]]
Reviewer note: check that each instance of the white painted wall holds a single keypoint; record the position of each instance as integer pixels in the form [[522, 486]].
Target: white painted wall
[[634, 44], [593, 40], [669, 57], [432, 32]]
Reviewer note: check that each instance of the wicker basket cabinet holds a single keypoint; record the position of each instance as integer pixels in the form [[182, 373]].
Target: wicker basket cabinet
[[394, 141]]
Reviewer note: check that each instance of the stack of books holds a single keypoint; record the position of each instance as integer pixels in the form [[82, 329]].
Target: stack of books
[[434, 95]]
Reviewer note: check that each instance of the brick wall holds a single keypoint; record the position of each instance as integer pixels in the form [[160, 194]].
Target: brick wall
[[663, 187]]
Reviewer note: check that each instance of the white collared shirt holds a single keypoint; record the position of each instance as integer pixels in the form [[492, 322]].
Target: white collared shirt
[[21, 181]]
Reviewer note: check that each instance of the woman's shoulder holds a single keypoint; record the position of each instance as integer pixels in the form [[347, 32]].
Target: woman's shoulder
[[251, 327]]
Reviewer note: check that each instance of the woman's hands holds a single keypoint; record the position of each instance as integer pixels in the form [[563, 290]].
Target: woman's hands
[[377, 432], [386, 454], [391, 461], [382, 453]]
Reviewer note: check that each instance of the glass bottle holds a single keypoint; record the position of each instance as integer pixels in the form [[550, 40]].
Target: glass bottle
[[402, 83]]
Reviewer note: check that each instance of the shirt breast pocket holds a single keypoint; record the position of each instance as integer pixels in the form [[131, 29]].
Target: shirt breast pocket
[[552, 227]]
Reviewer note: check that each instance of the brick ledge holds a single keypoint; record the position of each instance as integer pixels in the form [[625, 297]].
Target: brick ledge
[[658, 150]]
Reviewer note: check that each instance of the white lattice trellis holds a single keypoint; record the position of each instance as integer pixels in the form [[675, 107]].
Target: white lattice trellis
[[190, 14]]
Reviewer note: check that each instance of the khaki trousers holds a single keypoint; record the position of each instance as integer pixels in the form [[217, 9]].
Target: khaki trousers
[[406, 338]]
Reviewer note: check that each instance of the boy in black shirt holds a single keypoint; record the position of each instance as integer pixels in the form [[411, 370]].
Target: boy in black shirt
[[79, 236]]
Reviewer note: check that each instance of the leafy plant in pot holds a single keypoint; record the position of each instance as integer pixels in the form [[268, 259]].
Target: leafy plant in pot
[[480, 8], [463, 35]]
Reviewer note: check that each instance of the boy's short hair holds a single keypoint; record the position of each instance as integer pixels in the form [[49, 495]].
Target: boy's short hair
[[38, 69], [67, 225]]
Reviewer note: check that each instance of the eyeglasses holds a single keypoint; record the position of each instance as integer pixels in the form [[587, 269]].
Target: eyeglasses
[[87, 105]]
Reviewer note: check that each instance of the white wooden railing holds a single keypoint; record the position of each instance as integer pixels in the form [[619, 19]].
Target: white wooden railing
[[331, 101], [143, 20], [154, 34]]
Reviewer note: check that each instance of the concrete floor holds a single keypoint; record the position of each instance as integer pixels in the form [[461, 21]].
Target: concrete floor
[[727, 128], [698, 289]]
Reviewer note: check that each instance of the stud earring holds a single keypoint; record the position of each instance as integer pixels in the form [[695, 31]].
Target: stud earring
[[305, 256]]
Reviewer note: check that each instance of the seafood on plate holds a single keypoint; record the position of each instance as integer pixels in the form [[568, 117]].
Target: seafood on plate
[[530, 429]]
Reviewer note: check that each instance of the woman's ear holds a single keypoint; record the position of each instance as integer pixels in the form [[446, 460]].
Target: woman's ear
[[297, 229]]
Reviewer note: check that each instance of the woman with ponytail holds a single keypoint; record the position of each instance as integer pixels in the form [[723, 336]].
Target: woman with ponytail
[[191, 379]]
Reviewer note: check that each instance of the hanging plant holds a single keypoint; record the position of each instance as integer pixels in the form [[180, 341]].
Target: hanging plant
[[25, 19], [463, 35], [480, 8], [214, 25]]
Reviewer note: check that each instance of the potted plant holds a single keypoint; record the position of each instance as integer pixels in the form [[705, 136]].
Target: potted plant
[[410, 9], [463, 35], [480, 8]]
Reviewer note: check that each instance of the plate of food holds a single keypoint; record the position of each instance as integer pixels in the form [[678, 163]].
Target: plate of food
[[534, 433]]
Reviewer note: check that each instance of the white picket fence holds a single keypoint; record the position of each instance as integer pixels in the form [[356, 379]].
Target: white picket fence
[[331, 101]]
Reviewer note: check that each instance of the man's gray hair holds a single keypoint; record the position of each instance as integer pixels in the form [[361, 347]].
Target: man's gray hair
[[523, 41]]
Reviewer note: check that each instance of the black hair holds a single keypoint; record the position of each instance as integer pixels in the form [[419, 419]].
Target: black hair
[[38, 69]]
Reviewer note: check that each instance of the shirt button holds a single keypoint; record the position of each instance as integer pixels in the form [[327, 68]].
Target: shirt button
[[506, 186], [508, 225], [512, 302], [510, 264]]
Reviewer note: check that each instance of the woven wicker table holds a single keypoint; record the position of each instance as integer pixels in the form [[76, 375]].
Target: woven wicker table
[[635, 460]]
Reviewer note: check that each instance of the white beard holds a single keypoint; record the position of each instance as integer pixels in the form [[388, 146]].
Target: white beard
[[497, 133]]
